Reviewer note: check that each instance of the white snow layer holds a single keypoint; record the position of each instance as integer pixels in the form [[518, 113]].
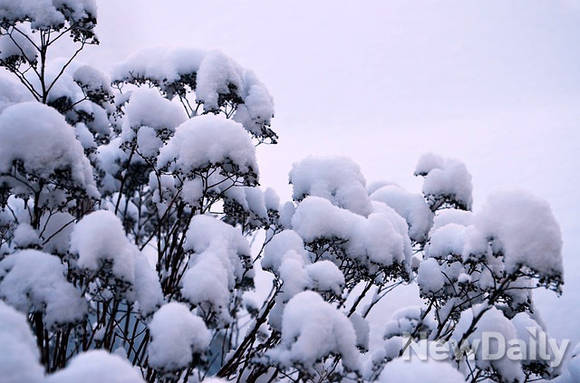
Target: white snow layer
[[19, 358], [313, 329], [516, 224], [220, 253], [211, 73], [33, 281], [96, 366], [100, 241], [381, 239], [525, 228], [336, 179], [410, 206], [415, 370], [206, 141], [148, 108], [445, 178], [45, 14], [39, 136], [176, 334], [99, 238]]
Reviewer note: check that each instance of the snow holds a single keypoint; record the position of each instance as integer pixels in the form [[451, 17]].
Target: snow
[[192, 191], [410, 206], [217, 265], [404, 321], [428, 162], [492, 321], [362, 330], [280, 244], [216, 74], [209, 141], [13, 92], [176, 334], [271, 199], [529, 331], [33, 281], [96, 366], [380, 239], [337, 179], [148, 108], [429, 277], [457, 216], [251, 200], [92, 81], [25, 236], [20, 356], [18, 46], [415, 370], [286, 213], [294, 277], [525, 229], [445, 178], [147, 287], [571, 374], [325, 276], [99, 238], [212, 75], [163, 66], [445, 241], [312, 329], [148, 143], [39, 136], [47, 14]]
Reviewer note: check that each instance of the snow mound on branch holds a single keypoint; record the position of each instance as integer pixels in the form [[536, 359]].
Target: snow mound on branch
[[147, 288], [92, 81], [176, 334], [415, 370], [492, 321], [446, 240], [18, 46], [410, 206], [381, 239], [162, 66], [213, 76], [336, 179], [148, 108], [13, 92], [456, 216], [19, 361], [96, 366], [33, 281], [325, 276], [279, 245], [221, 261], [525, 229], [47, 14], [313, 329], [445, 180], [39, 136], [99, 238], [430, 278], [517, 225], [100, 242], [405, 320], [206, 141]]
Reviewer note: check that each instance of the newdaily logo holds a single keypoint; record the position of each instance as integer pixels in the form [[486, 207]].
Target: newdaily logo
[[493, 346]]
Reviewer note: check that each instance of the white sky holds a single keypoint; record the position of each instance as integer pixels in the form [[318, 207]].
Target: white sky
[[493, 83]]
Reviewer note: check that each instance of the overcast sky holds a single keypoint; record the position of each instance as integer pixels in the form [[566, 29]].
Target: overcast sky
[[493, 83]]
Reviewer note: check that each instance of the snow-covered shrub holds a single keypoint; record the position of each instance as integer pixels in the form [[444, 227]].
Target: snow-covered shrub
[[133, 231]]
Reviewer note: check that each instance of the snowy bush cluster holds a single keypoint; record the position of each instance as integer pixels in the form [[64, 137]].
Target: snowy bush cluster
[[133, 229]]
